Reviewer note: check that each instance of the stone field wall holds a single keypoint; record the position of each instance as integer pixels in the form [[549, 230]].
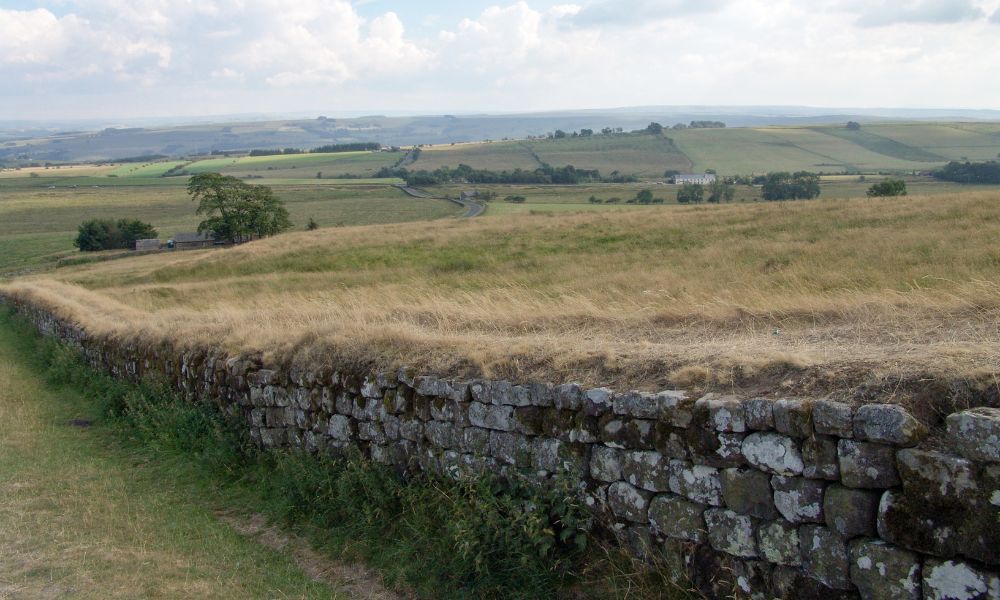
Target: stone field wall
[[796, 499]]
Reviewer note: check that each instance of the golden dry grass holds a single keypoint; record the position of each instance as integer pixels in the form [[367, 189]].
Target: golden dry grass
[[802, 296]]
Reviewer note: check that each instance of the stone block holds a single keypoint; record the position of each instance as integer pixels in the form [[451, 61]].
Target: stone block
[[475, 440], [778, 542], [441, 434], [939, 478], [629, 502], [528, 420], [568, 396], [442, 408], [799, 500], [774, 453], [884, 572], [825, 557], [371, 432], [714, 448], [719, 413], [341, 428], [867, 465], [643, 405], [489, 416], [510, 448], [793, 417], [606, 464], [597, 402], [546, 455], [411, 430], [819, 455], [696, 482], [647, 470], [631, 434], [976, 433], [851, 512], [675, 517], [833, 418], [670, 441], [731, 533], [887, 424], [759, 414], [541, 394], [748, 492], [957, 580]]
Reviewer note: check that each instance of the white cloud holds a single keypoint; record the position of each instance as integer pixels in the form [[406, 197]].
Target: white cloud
[[876, 14]]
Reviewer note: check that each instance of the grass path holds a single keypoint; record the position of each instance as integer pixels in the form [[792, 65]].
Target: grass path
[[83, 519]]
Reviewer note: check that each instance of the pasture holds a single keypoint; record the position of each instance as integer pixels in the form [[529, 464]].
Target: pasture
[[814, 295]]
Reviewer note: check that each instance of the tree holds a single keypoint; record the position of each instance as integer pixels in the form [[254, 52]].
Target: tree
[[644, 197], [654, 128], [889, 187], [790, 186], [559, 134], [236, 211], [721, 191], [691, 193], [853, 125], [105, 234]]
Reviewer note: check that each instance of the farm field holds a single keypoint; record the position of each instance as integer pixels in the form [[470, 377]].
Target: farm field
[[498, 156], [810, 294], [646, 156]]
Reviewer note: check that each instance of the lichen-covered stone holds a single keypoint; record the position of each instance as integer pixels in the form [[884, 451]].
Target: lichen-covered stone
[[714, 448], [731, 533], [510, 448], [597, 401], [884, 572], [340, 428], [748, 491], [720, 413], [475, 440], [541, 394], [629, 502], [778, 542], [441, 435], [488, 416], [793, 417], [957, 580], [568, 396], [678, 518], [887, 424], [642, 405], [824, 556], [851, 512], [546, 455], [976, 433], [670, 441], [696, 482], [937, 476], [833, 418], [819, 455], [799, 500], [606, 464], [867, 465], [773, 453], [759, 414], [647, 470], [626, 433]]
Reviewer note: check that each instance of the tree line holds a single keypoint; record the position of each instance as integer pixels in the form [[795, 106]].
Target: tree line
[[327, 149], [545, 174], [970, 172]]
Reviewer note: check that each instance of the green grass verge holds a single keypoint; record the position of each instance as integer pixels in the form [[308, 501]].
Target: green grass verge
[[439, 537]]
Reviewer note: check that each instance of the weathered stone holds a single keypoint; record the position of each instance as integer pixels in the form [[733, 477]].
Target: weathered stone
[[441, 435], [824, 556], [773, 453], [715, 449], [568, 396], [372, 432], [833, 418], [720, 413], [976, 433], [606, 464], [396, 401], [798, 499], [759, 414], [670, 441], [597, 401], [642, 405], [851, 512], [957, 580], [442, 409], [546, 455], [411, 430], [793, 417], [748, 492], [647, 470], [628, 502], [475, 440], [819, 455], [789, 583], [884, 572], [499, 393], [778, 542], [272, 437], [631, 434], [371, 389], [867, 465], [639, 542], [902, 524], [528, 420], [887, 424], [731, 533], [541, 394], [340, 428], [510, 448], [678, 518], [391, 423], [488, 416], [940, 478], [696, 482]]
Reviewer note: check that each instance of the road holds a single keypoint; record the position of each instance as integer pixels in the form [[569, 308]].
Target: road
[[472, 208]]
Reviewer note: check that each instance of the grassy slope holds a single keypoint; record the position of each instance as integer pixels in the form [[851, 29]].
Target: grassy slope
[[854, 286], [80, 518], [492, 155], [642, 155]]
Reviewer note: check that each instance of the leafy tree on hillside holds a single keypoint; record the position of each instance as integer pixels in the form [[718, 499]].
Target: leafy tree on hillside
[[236, 211], [105, 234], [889, 187], [853, 125], [791, 186], [654, 128], [691, 193], [644, 197]]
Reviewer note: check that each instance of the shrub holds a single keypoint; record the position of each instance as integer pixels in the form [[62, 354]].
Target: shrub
[[889, 187], [105, 234]]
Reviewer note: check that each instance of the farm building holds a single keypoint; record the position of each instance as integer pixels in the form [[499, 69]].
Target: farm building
[[699, 178], [147, 245], [192, 240]]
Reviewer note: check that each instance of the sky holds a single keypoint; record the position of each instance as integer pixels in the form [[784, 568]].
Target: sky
[[76, 59]]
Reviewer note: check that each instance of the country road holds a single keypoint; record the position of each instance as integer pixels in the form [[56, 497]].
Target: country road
[[472, 209]]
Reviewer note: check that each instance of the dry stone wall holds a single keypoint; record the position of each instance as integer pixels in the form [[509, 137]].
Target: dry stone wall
[[791, 499]]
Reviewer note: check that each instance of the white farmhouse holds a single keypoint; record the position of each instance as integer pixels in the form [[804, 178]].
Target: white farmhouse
[[700, 178]]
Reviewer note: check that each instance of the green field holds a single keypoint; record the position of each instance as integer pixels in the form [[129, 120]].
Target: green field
[[646, 156], [498, 156], [299, 166]]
